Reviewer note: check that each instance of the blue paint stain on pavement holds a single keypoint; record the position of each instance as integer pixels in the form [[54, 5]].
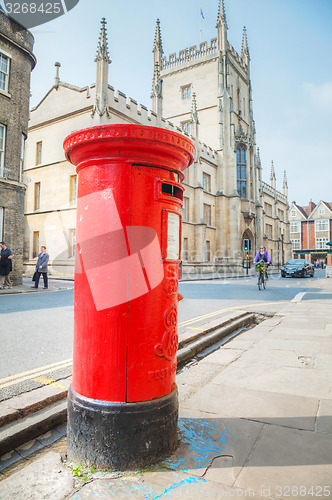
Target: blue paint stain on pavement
[[184, 482], [205, 441]]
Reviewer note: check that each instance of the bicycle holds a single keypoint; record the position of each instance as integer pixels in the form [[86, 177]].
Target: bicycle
[[261, 267]]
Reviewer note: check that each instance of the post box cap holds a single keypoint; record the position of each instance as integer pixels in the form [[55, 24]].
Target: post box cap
[[132, 143]]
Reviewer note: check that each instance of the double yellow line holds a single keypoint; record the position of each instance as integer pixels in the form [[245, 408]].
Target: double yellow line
[[31, 374], [42, 370], [209, 315]]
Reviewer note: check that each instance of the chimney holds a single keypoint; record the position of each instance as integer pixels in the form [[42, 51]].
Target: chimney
[[311, 206]]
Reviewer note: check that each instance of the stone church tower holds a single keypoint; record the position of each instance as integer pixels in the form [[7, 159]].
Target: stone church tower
[[206, 91]]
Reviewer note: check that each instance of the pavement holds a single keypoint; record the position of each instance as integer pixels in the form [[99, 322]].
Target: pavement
[[255, 421], [57, 282]]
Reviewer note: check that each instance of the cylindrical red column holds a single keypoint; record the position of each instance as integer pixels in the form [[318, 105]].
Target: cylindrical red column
[[123, 400]]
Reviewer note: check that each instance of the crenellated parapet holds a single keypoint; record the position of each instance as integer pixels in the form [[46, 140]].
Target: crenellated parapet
[[232, 52], [269, 190], [190, 54]]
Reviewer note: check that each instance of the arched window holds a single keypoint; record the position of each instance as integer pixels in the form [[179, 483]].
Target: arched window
[[241, 171]]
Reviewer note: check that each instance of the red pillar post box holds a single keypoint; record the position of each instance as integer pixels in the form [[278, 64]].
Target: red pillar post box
[[122, 405]]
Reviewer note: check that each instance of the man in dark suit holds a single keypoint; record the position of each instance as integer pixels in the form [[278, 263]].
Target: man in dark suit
[[41, 268]]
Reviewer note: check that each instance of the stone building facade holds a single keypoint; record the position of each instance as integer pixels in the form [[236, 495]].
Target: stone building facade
[[16, 64], [204, 93], [207, 92]]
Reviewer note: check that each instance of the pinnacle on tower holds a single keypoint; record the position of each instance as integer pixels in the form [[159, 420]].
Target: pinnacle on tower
[[157, 39], [102, 50], [285, 180], [156, 82], [221, 19], [285, 185], [194, 113], [245, 48], [273, 174], [102, 59]]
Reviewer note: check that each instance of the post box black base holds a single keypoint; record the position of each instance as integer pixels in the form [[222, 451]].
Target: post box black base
[[121, 436]]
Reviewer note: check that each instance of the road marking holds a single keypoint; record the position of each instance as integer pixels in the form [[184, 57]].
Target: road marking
[[298, 297], [48, 381], [234, 308], [31, 374]]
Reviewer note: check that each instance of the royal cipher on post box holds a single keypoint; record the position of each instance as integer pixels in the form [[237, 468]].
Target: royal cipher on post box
[[122, 404]]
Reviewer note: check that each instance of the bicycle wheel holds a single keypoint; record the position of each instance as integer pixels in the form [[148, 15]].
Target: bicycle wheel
[[259, 282], [264, 281]]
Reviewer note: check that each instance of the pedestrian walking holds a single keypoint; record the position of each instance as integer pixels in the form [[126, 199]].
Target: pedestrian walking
[[6, 265], [42, 268]]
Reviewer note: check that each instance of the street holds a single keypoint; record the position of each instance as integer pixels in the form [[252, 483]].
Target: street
[[37, 328]]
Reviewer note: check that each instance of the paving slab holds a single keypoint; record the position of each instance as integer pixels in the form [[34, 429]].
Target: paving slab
[[323, 362], [195, 376], [45, 479], [288, 458], [298, 346], [324, 417], [206, 437], [222, 356], [151, 486], [261, 406], [272, 357]]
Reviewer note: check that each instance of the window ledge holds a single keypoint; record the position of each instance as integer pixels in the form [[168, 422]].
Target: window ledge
[[6, 94]]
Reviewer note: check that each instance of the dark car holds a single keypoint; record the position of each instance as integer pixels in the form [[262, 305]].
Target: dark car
[[298, 268]]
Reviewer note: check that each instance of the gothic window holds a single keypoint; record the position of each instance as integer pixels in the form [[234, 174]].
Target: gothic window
[[186, 127], [185, 249], [35, 244], [185, 209], [207, 251], [268, 230], [4, 71], [207, 182], [241, 171], [186, 92], [72, 189], [39, 150], [207, 214], [71, 242], [36, 203]]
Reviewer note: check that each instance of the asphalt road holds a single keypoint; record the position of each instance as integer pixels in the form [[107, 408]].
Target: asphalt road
[[37, 328]]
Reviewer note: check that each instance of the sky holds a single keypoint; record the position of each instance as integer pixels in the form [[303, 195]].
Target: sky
[[290, 44]]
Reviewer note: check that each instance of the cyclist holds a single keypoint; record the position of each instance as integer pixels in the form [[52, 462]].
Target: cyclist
[[263, 255]]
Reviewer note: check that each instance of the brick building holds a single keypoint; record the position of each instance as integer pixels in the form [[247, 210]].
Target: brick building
[[311, 230], [16, 63]]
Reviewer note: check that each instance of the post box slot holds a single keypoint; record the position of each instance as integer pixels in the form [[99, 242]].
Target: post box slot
[[172, 190]]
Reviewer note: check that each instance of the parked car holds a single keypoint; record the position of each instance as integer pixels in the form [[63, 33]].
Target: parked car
[[298, 268]]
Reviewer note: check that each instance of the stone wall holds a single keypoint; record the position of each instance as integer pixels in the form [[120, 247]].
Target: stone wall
[[16, 42]]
